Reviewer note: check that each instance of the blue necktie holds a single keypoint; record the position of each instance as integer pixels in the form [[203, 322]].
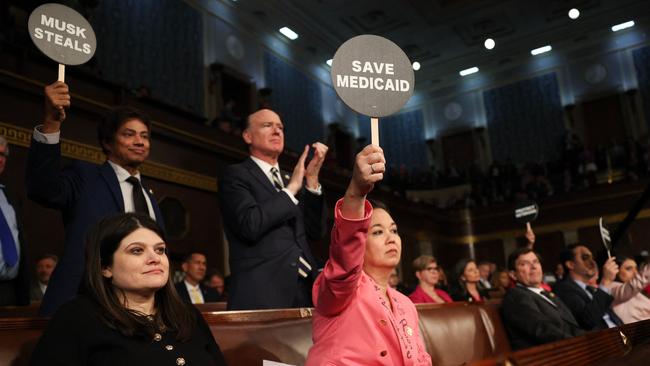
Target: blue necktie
[[8, 243]]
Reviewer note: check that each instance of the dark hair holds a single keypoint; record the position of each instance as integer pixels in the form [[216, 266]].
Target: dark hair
[[512, 258], [53, 257], [378, 204], [102, 242], [459, 269], [112, 122], [188, 256], [568, 254]]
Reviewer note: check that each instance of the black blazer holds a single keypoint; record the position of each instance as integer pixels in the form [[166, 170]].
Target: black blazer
[[209, 295], [84, 193], [530, 320], [267, 233], [21, 283], [588, 312], [76, 335]]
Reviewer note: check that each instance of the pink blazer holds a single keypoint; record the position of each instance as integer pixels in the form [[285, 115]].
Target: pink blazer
[[420, 297], [352, 324]]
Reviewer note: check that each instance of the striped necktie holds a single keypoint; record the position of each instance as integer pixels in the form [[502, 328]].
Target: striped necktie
[[275, 177]]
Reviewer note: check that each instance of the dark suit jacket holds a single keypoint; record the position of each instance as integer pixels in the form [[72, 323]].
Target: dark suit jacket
[[588, 312], [84, 193], [21, 282], [77, 336], [267, 233], [530, 320], [209, 295]]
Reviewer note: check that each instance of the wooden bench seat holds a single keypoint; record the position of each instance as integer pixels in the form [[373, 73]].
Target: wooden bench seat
[[454, 334]]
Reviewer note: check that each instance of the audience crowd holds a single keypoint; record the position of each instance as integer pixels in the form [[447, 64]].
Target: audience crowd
[[121, 296]]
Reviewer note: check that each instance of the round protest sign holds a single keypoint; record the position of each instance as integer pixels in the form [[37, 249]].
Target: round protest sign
[[62, 34], [526, 211], [372, 75]]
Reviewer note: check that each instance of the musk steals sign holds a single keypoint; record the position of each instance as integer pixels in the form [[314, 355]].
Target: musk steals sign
[[62, 34]]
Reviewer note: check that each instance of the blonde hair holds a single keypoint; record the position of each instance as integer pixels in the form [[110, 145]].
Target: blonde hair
[[420, 263]]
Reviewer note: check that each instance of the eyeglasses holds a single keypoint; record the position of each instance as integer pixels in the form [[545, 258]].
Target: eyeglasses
[[431, 269]]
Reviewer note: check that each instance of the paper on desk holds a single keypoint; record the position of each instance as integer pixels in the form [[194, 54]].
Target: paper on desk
[[273, 363]]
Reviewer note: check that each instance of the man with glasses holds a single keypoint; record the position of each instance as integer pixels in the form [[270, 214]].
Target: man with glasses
[[590, 305], [532, 315]]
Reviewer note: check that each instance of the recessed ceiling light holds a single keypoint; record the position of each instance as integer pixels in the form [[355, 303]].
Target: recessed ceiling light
[[287, 32], [416, 66], [489, 43], [469, 71], [540, 50], [574, 13], [622, 26], [329, 62]]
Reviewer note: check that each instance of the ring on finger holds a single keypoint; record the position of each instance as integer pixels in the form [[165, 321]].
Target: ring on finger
[[371, 169]]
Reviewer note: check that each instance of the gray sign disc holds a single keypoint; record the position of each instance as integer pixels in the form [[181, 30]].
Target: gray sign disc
[[62, 34], [372, 75]]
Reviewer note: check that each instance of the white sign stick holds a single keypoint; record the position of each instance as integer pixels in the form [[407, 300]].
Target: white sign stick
[[374, 131], [604, 234], [61, 73]]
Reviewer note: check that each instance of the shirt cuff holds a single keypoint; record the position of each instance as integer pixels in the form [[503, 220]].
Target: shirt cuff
[[293, 199], [318, 191], [46, 138]]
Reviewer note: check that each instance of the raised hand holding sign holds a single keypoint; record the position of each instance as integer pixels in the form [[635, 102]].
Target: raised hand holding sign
[[63, 35], [372, 76]]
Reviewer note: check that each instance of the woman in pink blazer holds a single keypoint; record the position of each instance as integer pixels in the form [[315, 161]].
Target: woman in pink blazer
[[359, 319]]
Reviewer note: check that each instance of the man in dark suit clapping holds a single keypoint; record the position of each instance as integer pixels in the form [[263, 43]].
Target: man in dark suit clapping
[[268, 219], [83, 192]]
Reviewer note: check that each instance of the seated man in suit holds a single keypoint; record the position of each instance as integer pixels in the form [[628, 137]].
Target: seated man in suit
[[590, 305], [191, 289], [83, 192], [531, 315], [268, 221], [44, 268]]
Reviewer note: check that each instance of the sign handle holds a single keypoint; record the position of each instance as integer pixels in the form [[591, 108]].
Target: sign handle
[[374, 131], [61, 73]]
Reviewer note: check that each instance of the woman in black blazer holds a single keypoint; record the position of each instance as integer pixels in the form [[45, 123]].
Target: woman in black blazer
[[128, 312], [465, 284]]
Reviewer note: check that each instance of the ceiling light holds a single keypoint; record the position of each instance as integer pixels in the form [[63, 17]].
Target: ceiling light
[[416, 66], [329, 62], [622, 26], [469, 71], [574, 13], [489, 43], [289, 33], [540, 50]]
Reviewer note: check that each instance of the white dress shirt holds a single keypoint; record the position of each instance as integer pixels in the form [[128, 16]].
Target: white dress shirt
[[266, 168]]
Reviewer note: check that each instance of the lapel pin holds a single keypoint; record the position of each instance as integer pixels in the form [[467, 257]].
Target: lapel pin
[[286, 176]]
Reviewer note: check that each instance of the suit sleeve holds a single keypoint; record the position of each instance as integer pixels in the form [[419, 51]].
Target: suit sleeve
[[337, 284], [520, 312], [244, 215], [313, 210], [588, 313], [47, 183]]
